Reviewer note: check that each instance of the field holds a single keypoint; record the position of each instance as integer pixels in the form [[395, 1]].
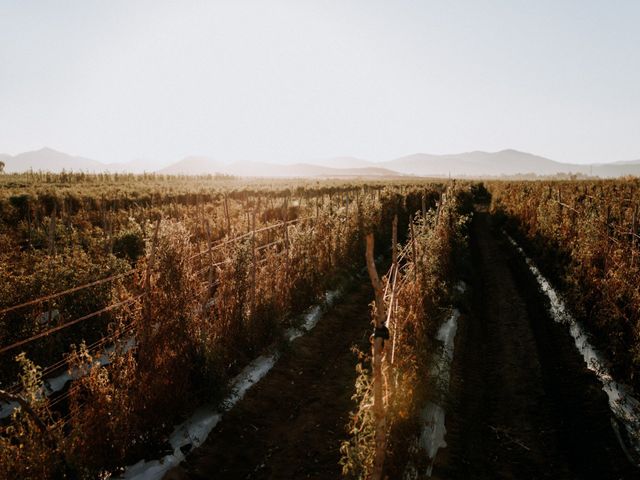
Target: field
[[200, 327]]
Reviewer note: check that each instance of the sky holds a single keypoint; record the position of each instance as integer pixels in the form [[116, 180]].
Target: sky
[[295, 80]]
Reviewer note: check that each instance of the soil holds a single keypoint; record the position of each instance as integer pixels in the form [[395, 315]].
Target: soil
[[291, 424], [523, 404]]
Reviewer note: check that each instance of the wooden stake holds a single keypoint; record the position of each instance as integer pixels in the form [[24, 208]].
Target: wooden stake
[[226, 212], [147, 280], [394, 277], [378, 348], [210, 279], [253, 263], [449, 212], [52, 233], [394, 241], [413, 248], [633, 236]]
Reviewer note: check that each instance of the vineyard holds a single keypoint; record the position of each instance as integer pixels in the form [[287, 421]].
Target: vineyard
[[132, 304]]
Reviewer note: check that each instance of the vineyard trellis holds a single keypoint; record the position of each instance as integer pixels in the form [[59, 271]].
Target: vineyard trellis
[[105, 339], [398, 315], [145, 293], [91, 315], [283, 247]]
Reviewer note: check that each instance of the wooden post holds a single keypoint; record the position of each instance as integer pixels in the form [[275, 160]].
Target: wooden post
[[198, 257], [52, 233], [394, 241], [226, 212], [253, 263], [147, 280], [52, 252], [286, 209], [109, 235], [449, 212], [330, 245], [413, 248], [63, 213], [29, 222], [210, 279], [443, 199], [633, 236], [378, 348], [560, 202], [285, 236], [285, 242], [424, 205], [347, 206], [393, 279]]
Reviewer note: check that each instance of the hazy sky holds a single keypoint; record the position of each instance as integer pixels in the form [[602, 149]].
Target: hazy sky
[[296, 80]]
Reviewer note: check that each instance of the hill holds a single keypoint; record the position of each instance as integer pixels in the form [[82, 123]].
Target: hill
[[468, 164], [47, 159]]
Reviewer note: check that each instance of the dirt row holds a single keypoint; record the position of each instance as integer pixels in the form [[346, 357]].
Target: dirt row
[[291, 423], [523, 404]]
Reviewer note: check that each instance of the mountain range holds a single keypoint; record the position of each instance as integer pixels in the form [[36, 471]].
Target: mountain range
[[469, 164]]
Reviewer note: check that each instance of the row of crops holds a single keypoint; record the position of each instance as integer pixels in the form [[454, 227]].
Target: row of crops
[[146, 308], [585, 237], [127, 301]]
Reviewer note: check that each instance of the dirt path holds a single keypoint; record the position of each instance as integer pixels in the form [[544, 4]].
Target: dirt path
[[523, 404], [291, 423]]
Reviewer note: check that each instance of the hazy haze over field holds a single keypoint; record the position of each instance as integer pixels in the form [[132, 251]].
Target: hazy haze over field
[[294, 82]]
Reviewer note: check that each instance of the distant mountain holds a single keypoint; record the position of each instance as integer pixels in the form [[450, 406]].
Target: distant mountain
[[625, 162], [261, 169], [193, 165], [469, 164], [502, 163], [204, 165], [618, 169], [50, 160], [505, 162], [139, 165], [47, 159], [342, 162]]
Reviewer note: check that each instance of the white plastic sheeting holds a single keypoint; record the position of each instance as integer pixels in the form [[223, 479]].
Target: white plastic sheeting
[[432, 416], [313, 315], [432, 433], [195, 430], [625, 408], [57, 383]]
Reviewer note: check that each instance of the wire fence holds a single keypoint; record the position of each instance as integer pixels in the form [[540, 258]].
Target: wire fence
[[112, 278], [99, 346]]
